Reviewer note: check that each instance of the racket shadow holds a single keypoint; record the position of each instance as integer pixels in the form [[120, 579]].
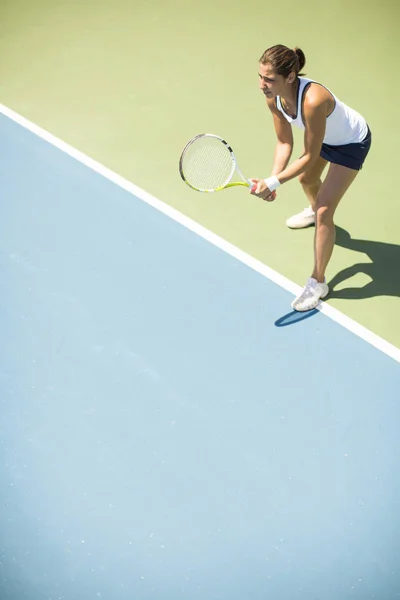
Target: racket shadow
[[295, 317]]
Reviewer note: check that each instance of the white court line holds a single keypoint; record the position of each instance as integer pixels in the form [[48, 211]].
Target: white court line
[[248, 260]]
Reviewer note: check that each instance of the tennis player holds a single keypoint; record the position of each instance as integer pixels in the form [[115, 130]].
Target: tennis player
[[334, 133]]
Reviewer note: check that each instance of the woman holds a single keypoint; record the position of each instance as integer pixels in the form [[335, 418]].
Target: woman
[[333, 133]]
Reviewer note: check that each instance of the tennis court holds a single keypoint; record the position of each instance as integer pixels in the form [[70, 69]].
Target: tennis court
[[169, 427]]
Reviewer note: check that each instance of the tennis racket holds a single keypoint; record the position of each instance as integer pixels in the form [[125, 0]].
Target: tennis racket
[[208, 164]]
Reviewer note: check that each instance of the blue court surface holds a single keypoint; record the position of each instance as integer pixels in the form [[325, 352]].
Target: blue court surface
[[168, 430]]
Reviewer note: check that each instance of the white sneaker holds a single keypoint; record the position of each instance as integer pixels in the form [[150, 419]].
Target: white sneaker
[[311, 295], [303, 219]]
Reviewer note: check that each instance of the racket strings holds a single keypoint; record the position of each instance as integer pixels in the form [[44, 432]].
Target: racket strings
[[207, 164]]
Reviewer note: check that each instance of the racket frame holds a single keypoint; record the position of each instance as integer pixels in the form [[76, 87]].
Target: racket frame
[[235, 167]]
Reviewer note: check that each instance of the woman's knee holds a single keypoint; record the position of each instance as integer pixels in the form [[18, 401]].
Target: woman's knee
[[324, 214], [308, 180]]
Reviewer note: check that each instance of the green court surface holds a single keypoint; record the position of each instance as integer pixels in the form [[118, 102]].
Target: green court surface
[[129, 82]]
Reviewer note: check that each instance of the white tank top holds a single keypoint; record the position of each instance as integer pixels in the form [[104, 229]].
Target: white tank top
[[343, 126]]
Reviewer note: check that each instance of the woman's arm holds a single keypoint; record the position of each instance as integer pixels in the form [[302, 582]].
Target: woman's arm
[[284, 144], [315, 123], [315, 112]]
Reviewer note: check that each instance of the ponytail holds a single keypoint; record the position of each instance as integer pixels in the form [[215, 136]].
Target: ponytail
[[302, 59]]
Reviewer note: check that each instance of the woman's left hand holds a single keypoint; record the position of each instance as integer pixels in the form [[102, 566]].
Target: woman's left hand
[[261, 190]]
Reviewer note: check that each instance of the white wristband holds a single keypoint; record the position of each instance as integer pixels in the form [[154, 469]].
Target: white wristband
[[272, 182]]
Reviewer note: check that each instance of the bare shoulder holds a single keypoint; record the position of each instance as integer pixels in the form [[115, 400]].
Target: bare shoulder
[[317, 97]]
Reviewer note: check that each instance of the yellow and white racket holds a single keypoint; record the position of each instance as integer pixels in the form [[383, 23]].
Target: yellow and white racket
[[208, 164]]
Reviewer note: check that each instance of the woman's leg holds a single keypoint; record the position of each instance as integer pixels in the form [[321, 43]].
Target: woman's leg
[[332, 190], [311, 181]]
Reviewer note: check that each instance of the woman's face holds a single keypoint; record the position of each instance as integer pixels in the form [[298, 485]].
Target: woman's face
[[272, 84]]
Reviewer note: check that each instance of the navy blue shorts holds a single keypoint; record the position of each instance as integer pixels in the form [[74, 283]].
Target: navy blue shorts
[[348, 155]]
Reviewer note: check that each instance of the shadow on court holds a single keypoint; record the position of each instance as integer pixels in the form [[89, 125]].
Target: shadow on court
[[294, 317], [383, 269]]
